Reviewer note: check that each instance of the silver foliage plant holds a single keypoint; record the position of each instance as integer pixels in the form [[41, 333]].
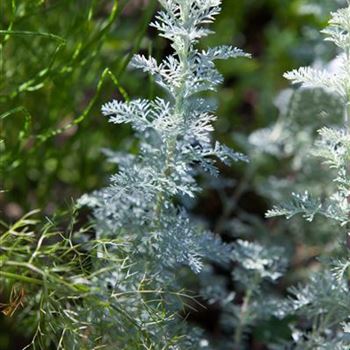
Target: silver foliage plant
[[333, 144], [324, 300], [257, 268], [142, 204], [175, 139]]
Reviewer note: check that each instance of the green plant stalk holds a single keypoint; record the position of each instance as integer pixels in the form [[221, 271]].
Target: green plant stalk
[[21, 278], [242, 319], [244, 313]]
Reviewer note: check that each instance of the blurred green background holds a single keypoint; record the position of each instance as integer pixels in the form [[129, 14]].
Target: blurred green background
[[61, 59]]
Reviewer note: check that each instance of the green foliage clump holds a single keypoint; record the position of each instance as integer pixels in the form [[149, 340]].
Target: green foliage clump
[[56, 63]]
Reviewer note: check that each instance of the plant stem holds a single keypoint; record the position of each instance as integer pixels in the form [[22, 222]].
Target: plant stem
[[21, 278], [242, 319]]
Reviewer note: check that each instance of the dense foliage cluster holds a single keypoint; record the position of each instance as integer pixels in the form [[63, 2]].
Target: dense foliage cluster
[[324, 299], [141, 263]]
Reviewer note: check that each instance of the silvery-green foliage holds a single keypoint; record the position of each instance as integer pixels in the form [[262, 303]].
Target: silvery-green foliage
[[256, 267], [322, 293], [258, 262], [336, 207], [290, 139], [314, 343], [320, 8], [294, 130], [332, 146], [312, 46], [174, 132], [289, 142], [324, 300]]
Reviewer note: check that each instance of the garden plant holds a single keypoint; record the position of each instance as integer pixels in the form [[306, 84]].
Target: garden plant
[[226, 222]]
